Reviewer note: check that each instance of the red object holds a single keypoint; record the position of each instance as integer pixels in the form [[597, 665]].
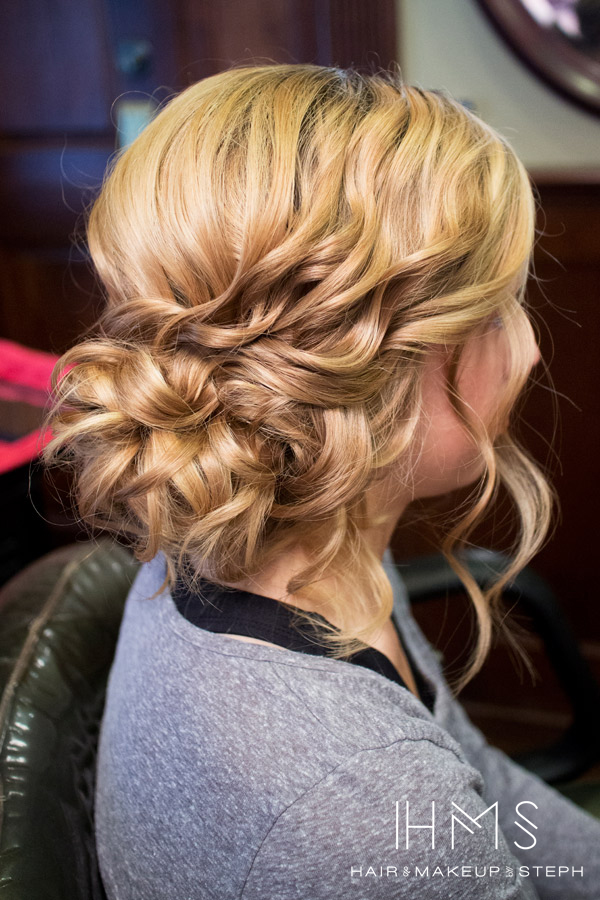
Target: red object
[[25, 379]]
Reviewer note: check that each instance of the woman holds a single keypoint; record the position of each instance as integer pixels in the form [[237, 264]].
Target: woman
[[314, 315]]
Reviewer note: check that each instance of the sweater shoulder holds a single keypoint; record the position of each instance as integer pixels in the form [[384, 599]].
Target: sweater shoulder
[[212, 740]]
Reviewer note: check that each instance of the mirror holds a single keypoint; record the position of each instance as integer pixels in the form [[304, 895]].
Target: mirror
[[558, 39]]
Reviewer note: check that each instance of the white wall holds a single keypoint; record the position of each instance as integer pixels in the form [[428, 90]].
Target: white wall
[[450, 44]]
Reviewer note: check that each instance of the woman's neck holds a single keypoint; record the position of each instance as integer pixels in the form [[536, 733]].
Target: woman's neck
[[384, 499]]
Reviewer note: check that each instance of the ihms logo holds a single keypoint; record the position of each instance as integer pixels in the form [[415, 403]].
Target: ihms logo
[[406, 824]]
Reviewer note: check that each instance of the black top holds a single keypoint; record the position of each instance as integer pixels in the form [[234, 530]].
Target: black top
[[225, 610]]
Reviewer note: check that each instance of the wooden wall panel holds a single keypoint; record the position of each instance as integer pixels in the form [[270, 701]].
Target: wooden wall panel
[[567, 300], [66, 42], [358, 37], [49, 299], [45, 187], [214, 36], [331, 32]]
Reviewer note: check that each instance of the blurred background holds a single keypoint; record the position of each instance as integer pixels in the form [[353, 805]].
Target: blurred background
[[81, 77]]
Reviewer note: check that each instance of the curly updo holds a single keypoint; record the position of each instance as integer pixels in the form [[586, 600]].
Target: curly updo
[[280, 248]]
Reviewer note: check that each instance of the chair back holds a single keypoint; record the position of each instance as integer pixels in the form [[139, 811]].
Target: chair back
[[59, 624]]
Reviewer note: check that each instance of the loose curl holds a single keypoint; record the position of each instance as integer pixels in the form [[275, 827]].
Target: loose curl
[[281, 248]]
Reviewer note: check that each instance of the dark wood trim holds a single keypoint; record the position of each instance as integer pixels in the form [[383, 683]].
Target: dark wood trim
[[552, 178]]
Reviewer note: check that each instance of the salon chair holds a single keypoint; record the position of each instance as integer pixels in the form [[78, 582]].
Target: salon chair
[[59, 623]]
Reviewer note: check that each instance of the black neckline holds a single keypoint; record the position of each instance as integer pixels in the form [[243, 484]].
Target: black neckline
[[223, 610]]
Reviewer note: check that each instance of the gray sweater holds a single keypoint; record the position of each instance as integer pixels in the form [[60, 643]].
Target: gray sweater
[[236, 770]]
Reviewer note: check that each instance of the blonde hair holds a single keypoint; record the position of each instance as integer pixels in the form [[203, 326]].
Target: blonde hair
[[281, 247]]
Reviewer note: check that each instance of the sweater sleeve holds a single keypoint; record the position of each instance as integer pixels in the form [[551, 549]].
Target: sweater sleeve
[[565, 835], [406, 820]]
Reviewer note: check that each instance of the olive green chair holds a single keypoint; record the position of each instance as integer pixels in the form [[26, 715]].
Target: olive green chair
[[59, 623]]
